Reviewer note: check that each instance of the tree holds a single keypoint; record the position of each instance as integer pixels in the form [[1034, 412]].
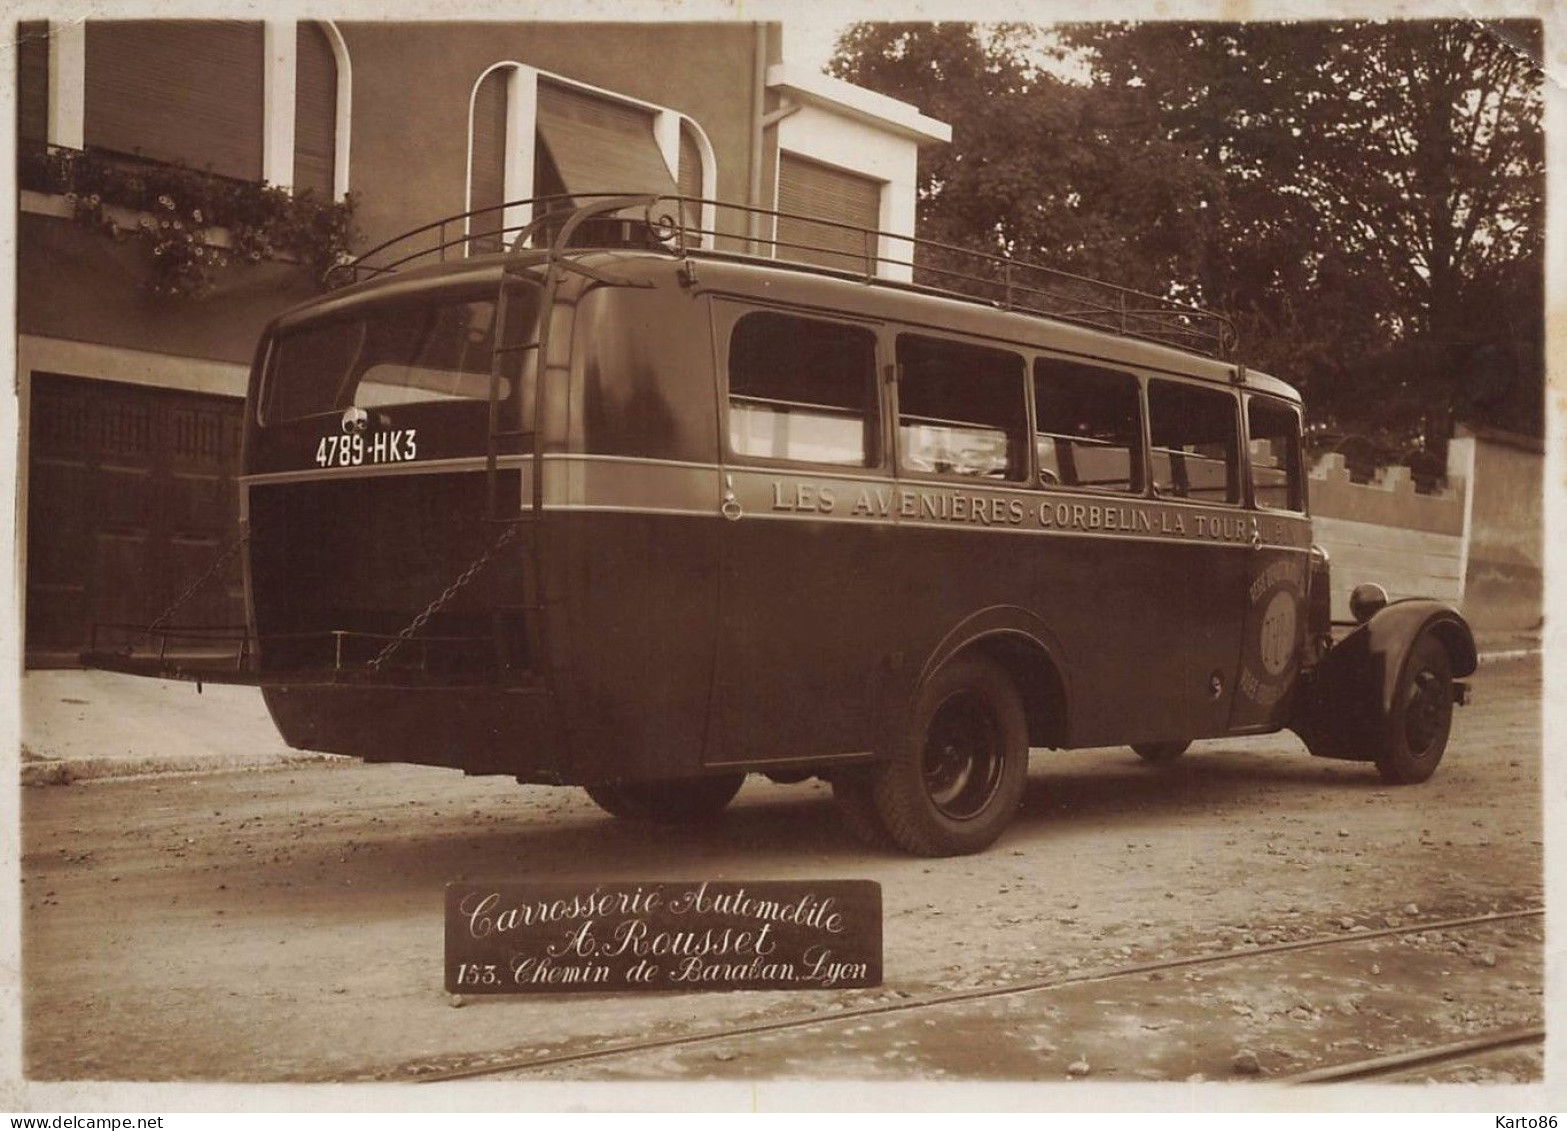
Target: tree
[[1032, 169], [1387, 169], [1364, 198]]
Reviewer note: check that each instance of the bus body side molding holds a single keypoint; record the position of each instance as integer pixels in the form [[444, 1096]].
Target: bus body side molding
[[1350, 698]]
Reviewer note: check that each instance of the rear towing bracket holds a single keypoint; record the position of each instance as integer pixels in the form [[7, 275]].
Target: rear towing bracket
[[340, 658]]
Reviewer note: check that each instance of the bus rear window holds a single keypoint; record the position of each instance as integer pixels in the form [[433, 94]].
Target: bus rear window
[[961, 409], [1195, 446], [391, 355], [802, 389]]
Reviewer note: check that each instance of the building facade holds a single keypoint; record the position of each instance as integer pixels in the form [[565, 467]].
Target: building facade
[[131, 398]]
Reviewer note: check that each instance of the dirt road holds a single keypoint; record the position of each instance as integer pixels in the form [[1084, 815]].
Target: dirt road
[[287, 924]]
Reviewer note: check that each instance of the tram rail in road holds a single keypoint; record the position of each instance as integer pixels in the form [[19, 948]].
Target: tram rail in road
[[1356, 1070], [1430, 1057], [277, 875]]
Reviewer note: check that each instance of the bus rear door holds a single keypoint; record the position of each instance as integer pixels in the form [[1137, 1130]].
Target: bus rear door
[[803, 621]]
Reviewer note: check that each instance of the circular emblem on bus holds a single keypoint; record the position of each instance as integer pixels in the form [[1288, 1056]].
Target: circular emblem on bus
[[1278, 632], [355, 419]]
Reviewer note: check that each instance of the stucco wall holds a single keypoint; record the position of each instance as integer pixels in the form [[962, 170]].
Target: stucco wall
[[1410, 544], [1505, 582], [78, 285], [412, 85], [1390, 499], [1484, 553]]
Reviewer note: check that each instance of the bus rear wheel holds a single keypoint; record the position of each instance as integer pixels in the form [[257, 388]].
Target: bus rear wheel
[[957, 782], [674, 801], [1159, 751], [854, 791]]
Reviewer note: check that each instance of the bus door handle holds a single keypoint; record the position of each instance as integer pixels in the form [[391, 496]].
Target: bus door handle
[[731, 507]]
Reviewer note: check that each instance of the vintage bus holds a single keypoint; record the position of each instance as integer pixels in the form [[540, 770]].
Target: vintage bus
[[622, 508]]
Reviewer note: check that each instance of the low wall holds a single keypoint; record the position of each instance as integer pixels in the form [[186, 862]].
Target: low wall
[[1383, 531], [1477, 544]]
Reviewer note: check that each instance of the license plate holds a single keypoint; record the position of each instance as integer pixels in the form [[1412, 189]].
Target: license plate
[[398, 445]]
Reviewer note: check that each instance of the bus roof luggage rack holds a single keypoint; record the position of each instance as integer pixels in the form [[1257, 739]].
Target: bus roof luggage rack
[[228, 654], [695, 226]]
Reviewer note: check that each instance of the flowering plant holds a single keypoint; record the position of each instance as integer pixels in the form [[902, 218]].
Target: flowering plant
[[186, 209]]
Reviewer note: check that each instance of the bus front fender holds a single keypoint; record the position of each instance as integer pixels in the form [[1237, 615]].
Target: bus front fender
[[1349, 695]]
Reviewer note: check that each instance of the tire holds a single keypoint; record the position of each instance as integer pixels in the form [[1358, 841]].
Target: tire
[[676, 801], [1160, 751], [854, 793], [958, 779], [1414, 737]]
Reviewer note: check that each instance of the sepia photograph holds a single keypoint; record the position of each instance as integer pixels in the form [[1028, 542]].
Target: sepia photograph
[[669, 560]]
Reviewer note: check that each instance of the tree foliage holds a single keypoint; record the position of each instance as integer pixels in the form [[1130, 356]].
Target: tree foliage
[[1033, 170], [1364, 198]]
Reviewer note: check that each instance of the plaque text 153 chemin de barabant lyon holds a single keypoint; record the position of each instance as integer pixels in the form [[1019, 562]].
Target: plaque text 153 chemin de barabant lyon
[[598, 925]]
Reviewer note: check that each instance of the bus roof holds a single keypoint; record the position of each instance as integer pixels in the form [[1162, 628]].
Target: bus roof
[[786, 283]]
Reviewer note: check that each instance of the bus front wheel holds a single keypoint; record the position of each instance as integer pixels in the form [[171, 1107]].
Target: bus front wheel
[[1414, 736], [675, 801], [957, 782]]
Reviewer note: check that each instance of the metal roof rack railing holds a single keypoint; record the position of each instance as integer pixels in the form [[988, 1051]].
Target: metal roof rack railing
[[664, 223]]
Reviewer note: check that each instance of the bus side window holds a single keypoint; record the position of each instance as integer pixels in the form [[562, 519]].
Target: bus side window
[[802, 389], [1274, 432], [962, 409], [1089, 422], [1195, 448]]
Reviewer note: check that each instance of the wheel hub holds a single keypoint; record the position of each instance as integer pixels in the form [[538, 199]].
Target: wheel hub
[[962, 759], [1425, 713]]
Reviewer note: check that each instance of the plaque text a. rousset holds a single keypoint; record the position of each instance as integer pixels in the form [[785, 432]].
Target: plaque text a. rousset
[[553, 937]]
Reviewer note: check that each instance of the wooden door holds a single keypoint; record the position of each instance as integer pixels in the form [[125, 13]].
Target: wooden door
[[131, 496]]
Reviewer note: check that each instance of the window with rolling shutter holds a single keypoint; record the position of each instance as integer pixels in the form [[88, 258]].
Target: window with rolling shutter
[[186, 91], [315, 111], [690, 174], [487, 176], [810, 189], [547, 184], [32, 76], [600, 145]]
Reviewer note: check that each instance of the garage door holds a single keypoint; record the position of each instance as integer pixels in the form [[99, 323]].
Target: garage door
[[130, 497], [810, 189]]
